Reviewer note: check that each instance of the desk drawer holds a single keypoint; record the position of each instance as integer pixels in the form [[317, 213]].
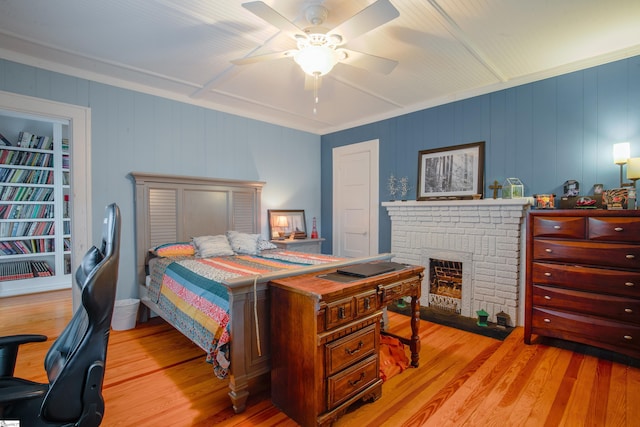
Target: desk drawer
[[340, 312], [349, 382], [348, 350], [395, 290], [367, 303]]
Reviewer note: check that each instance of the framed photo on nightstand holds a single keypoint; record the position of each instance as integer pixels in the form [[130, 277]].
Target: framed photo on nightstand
[[284, 224]]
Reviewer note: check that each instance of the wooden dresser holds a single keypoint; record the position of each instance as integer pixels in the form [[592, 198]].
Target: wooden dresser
[[583, 278], [325, 337]]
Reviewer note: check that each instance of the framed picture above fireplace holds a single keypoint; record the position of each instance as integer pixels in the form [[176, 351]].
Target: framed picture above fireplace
[[455, 172]]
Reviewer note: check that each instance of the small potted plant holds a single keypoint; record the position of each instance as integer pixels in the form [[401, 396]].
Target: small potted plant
[[392, 187], [404, 187]]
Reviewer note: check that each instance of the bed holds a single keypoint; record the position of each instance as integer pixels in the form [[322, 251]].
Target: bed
[[173, 209]]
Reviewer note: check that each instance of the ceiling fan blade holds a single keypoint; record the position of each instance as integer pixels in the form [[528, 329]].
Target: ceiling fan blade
[[265, 57], [369, 62], [270, 15], [372, 16]]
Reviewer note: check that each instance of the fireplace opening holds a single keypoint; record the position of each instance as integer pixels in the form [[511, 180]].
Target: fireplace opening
[[445, 285]]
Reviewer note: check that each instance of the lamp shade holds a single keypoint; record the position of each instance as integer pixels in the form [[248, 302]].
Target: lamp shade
[[633, 168], [316, 60], [621, 152], [281, 221]]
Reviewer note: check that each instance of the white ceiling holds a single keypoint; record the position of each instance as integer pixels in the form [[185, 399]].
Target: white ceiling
[[446, 49]]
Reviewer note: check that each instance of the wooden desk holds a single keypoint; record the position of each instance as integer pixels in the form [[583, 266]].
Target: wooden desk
[[325, 340]]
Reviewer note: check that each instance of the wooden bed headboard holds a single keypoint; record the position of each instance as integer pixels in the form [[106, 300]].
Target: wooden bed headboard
[[173, 208]]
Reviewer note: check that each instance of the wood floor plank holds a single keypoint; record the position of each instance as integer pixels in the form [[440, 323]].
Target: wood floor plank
[[156, 376], [631, 389]]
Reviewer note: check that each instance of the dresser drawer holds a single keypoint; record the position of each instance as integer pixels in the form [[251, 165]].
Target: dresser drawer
[[606, 254], [615, 282], [588, 329], [612, 307], [348, 350], [569, 227], [349, 382], [340, 312], [614, 229]]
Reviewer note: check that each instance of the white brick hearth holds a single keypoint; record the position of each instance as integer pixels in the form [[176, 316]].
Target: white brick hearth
[[487, 236]]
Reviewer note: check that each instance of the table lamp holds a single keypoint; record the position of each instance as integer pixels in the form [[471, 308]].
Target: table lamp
[[633, 173], [621, 152], [282, 223]]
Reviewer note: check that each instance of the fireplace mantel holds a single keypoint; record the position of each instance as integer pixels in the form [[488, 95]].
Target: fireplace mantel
[[522, 202], [486, 234]]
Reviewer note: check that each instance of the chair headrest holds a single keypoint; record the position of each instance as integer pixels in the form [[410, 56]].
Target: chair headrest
[[111, 230], [97, 274]]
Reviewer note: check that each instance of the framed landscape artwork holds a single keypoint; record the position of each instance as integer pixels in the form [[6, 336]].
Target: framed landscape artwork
[[451, 173]]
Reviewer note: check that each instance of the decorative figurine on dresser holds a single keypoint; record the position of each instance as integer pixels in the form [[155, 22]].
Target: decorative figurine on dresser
[[583, 278]]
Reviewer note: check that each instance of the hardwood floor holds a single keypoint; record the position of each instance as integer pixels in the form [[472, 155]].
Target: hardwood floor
[[155, 376]]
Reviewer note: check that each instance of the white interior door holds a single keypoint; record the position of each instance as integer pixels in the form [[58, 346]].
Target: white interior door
[[355, 199]]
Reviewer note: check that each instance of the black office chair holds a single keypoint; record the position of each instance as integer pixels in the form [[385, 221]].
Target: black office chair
[[75, 363]]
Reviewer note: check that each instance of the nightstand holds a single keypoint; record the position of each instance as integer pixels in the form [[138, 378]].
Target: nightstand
[[311, 246]]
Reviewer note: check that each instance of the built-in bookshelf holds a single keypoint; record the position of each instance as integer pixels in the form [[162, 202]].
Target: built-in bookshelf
[[35, 227]]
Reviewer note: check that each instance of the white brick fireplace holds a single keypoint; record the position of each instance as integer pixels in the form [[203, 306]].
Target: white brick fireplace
[[487, 236]]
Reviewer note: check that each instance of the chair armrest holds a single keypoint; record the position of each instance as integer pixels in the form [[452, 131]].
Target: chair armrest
[[13, 390], [9, 351]]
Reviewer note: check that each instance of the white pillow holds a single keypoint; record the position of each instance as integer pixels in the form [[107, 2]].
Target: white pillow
[[212, 246], [264, 244], [243, 243]]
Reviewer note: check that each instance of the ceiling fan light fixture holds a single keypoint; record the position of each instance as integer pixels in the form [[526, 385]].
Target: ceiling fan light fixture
[[316, 60]]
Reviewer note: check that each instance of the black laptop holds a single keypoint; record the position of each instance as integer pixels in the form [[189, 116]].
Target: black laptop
[[369, 269]]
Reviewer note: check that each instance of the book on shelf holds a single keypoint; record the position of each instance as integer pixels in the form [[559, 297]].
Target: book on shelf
[[44, 143], [4, 141], [18, 270], [24, 139], [15, 270], [41, 269], [4, 155]]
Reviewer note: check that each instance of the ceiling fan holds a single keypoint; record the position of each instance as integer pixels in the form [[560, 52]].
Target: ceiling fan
[[319, 48]]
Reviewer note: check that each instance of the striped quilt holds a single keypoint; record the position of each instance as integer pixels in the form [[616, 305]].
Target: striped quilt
[[190, 292]]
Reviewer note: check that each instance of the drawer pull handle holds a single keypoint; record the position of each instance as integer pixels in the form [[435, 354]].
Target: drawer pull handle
[[630, 256], [548, 251], [341, 313], [355, 350], [547, 274], [367, 304], [628, 310], [355, 382], [557, 227], [547, 320], [547, 297], [618, 229], [629, 284], [628, 337]]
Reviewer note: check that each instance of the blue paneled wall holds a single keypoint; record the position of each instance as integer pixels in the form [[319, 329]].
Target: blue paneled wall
[[132, 131], [544, 133]]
